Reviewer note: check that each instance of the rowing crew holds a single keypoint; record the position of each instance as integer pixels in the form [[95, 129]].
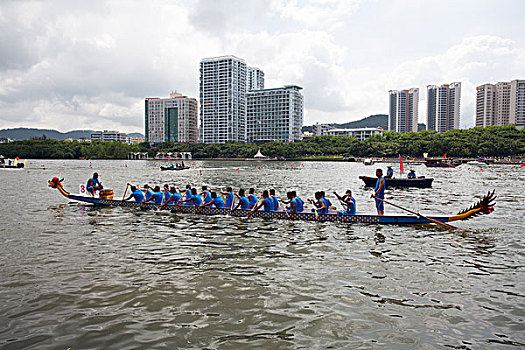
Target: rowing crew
[[268, 202]]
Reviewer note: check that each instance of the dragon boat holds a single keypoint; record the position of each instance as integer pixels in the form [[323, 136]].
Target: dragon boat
[[484, 206]]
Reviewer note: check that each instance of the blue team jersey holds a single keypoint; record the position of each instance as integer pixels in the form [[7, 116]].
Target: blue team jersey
[[245, 204], [390, 173], [381, 193], [149, 193], [325, 210], [175, 197], [275, 202], [95, 181], [229, 199], [138, 195], [157, 197], [207, 196], [188, 196], [253, 200], [298, 204], [218, 202], [351, 210], [197, 199], [167, 196], [268, 204]]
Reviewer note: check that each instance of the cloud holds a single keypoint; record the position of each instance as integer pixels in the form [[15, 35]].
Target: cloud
[[70, 64]]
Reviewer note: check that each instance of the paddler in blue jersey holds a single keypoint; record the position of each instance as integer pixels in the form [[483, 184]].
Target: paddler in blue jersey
[[273, 197], [326, 201], [147, 192], [187, 194], [206, 194], [216, 201], [156, 197], [195, 198], [167, 193], [136, 193], [319, 204], [175, 198], [93, 184], [252, 198], [298, 202], [379, 192], [294, 206], [228, 201], [348, 203], [244, 203], [267, 202], [389, 173], [412, 174]]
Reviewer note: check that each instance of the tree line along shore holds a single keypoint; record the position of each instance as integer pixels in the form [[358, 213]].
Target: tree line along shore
[[492, 141]]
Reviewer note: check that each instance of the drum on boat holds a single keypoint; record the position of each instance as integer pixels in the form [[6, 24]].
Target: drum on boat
[[106, 194]]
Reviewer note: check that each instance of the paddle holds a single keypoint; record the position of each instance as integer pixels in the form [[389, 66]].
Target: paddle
[[315, 209], [124, 196], [231, 207], [447, 226]]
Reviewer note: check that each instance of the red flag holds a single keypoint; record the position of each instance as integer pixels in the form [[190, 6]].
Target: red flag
[[169, 160], [400, 164], [445, 155], [522, 165]]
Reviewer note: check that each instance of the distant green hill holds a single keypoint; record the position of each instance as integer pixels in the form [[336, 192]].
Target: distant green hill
[[372, 121], [29, 133]]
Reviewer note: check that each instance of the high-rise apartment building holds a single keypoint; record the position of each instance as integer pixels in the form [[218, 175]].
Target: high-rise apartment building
[[517, 102], [485, 105], [275, 114], [443, 106], [254, 78], [403, 110], [223, 99], [502, 103], [172, 119]]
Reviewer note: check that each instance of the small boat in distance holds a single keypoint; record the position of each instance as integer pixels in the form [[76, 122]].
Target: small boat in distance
[[442, 162], [6, 163], [420, 182], [368, 161], [163, 168], [171, 166], [477, 162]]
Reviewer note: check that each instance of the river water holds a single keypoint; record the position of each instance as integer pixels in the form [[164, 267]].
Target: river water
[[81, 277]]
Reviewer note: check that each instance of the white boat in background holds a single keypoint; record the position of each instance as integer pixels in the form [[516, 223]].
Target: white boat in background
[[368, 161], [477, 162]]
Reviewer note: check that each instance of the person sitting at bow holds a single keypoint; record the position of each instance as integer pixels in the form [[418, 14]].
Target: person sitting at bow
[[94, 184]]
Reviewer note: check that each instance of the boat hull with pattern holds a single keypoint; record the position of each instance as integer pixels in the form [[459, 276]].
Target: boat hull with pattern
[[484, 206]]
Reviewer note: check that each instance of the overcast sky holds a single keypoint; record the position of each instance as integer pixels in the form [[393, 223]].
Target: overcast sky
[[89, 64]]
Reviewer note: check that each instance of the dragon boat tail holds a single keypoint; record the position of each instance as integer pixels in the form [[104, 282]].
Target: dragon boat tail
[[483, 207]]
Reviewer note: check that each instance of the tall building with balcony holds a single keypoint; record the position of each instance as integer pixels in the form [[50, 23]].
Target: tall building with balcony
[[275, 114], [172, 119], [254, 78], [443, 107], [223, 99], [403, 110], [502, 103]]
